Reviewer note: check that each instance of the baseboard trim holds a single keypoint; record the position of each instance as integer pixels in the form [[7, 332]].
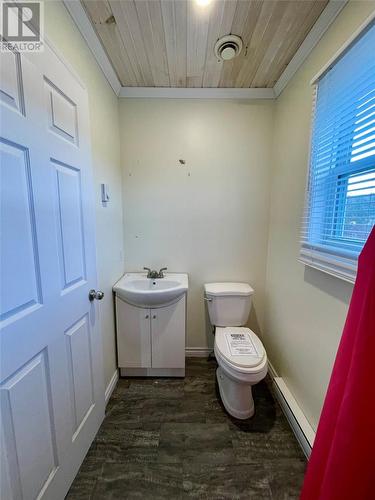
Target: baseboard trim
[[152, 372], [271, 370], [299, 424], [197, 352], [111, 387]]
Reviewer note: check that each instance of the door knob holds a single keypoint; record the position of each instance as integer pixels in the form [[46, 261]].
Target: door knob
[[93, 294]]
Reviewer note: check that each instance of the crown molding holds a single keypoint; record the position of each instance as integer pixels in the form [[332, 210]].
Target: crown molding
[[364, 26], [195, 93], [81, 19], [83, 23], [324, 21]]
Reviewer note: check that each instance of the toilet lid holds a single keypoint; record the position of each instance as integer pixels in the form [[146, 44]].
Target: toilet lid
[[239, 346]]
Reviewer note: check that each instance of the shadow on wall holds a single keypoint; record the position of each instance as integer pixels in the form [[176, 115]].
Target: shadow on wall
[[336, 287], [209, 330], [253, 322]]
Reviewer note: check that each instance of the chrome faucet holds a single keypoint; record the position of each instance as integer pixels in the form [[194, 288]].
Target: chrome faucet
[[154, 274]]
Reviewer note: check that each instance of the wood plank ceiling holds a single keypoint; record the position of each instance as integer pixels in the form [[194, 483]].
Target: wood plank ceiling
[[170, 43]]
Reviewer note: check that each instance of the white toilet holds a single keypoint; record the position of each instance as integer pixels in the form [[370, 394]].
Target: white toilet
[[239, 353]]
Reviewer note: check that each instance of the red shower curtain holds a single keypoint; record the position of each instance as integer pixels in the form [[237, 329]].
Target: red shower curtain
[[342, 463]]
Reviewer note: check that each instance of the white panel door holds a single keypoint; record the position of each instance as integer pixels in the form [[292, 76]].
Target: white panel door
[[168, 335], [52, 395]]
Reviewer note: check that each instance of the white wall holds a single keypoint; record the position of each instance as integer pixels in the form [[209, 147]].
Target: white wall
[[104, 118], [210, 217], [305, 308]]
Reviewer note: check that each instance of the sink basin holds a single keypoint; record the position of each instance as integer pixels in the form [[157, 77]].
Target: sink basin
[[138, 290]]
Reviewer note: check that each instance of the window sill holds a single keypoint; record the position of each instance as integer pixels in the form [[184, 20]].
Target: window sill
[[337, 266]]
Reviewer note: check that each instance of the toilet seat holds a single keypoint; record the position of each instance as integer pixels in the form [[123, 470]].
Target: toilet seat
[[242, 362], [240, 349]]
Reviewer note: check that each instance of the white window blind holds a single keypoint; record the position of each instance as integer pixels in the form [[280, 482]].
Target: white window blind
[[340, 198]]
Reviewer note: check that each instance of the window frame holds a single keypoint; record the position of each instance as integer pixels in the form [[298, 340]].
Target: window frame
[[339, 262]]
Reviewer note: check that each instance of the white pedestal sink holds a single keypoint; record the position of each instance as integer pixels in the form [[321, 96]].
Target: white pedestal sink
[[138, 290]]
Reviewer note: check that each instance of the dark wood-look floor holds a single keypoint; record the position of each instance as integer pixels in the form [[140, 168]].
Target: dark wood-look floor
[[172, 439]]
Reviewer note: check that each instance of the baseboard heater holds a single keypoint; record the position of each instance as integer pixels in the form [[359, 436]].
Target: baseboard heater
[[303, 431]]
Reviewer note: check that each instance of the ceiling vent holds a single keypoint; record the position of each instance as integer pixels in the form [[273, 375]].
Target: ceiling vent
[[228, 47]]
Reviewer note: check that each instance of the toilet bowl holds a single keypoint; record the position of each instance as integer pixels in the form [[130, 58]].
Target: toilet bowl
[[237, 373], [241, 357]]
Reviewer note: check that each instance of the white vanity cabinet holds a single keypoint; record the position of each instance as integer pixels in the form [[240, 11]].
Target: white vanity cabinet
[[133, 335], [151, 342]]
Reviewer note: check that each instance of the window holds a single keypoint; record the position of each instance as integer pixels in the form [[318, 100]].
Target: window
[[340, 198]]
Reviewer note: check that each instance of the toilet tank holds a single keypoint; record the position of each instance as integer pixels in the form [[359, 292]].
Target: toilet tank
[[228, 303]]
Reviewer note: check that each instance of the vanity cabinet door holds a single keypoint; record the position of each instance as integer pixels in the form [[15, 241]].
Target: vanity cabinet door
[[133, 336], [168, 336]]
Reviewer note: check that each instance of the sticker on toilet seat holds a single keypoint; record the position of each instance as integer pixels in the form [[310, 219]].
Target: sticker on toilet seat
[[240, 344]]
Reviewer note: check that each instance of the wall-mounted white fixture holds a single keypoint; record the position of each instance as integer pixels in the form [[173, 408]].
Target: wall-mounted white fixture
[[104, 193], [228, 47]]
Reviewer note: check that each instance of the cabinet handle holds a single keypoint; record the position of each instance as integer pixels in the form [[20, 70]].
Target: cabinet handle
[[147, 316], [154, 316]]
